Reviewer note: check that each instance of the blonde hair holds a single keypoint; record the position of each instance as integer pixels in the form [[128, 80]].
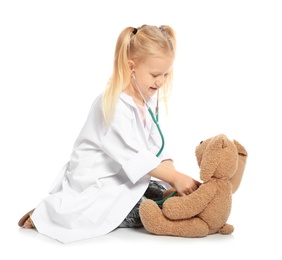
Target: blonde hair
[[137, 44]]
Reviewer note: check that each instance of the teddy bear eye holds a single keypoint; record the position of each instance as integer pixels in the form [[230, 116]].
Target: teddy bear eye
[[201, 142]]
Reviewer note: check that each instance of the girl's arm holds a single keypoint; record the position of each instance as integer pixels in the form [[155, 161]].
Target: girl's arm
[[183, 183]]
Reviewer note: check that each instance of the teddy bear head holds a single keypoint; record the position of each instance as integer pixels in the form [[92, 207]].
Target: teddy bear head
[[221, 158]]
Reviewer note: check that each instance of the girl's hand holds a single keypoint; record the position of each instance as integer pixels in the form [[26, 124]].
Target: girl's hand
[[185, 184]]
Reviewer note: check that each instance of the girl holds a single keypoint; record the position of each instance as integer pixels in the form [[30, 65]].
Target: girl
[[119, 157]]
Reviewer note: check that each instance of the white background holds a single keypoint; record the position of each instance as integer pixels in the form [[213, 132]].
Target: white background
[[56, 57]]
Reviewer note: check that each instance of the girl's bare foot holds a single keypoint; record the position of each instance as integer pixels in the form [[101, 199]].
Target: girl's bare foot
[[26, 221]]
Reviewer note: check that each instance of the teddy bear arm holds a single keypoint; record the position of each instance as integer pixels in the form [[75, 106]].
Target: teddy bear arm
[[184, 207]]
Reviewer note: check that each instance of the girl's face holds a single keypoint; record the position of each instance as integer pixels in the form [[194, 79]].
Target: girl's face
[[150, 75]]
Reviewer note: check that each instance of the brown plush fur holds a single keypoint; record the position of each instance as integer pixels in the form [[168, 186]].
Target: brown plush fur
[[206, 210]]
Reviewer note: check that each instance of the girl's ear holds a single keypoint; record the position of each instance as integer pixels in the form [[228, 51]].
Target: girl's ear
[[131, 64]]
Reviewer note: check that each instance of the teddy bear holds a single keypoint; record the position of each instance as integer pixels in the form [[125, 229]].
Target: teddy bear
[[206, 210]]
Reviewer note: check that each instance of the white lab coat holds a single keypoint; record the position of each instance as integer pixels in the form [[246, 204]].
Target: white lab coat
[[105, 176]]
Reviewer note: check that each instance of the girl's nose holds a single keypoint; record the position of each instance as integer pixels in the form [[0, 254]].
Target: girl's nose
[[160, 81], [158, 84]]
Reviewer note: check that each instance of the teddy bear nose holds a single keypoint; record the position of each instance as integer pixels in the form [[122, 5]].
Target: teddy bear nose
[[201, 142]]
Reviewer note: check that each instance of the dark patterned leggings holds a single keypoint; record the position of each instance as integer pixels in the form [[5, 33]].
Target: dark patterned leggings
[[154, 191]]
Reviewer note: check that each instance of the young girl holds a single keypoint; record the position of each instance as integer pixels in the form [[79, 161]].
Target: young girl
[[119, 157]]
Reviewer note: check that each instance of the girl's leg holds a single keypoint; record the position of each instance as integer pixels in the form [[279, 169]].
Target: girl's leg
[[155, 191], [133, 220]]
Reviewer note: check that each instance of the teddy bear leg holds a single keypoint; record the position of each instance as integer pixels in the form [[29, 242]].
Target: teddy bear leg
[[155, 222], [152, 217]]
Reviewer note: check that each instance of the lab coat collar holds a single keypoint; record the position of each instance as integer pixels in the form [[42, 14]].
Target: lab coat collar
[[128, 99]]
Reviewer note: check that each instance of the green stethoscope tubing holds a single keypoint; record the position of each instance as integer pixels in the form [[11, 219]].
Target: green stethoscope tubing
[[159, 202], [155, 119]]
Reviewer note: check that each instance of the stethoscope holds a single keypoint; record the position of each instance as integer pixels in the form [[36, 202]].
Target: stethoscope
[[155, 117]]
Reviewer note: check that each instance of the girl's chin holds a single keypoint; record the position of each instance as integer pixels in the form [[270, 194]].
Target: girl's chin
[[153, 90]]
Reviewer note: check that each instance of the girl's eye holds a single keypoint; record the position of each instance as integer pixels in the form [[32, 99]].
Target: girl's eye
[[157, 75]]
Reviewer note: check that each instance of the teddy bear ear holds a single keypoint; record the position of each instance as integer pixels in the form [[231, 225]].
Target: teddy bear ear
[[240, 148], [242, 159], [212, 156]]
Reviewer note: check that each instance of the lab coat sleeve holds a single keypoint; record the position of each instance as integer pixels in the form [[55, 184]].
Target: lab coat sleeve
[[140, 164]]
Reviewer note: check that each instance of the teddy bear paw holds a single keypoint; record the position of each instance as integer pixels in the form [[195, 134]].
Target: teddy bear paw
[[226, 229]]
